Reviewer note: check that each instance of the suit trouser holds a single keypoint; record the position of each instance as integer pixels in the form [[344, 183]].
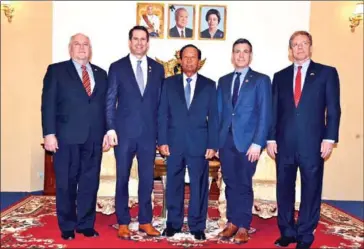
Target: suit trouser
[[237, 173], [198, 170], [124, 154], [77, 171], [311, 170]]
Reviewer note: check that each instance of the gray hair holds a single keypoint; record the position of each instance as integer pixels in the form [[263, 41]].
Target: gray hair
[[177, 11], [73, 37]]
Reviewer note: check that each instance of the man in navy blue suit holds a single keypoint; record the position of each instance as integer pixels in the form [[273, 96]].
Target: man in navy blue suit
[[244, 101], [306, 117], [132, 100], [73, 120], [187, 135]]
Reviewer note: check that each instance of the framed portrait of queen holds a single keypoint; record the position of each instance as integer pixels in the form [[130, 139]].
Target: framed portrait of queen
[[212, 22], [151, 16]]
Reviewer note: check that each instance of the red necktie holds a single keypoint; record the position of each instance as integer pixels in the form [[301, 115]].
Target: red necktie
[[297, 88], [86, 80]]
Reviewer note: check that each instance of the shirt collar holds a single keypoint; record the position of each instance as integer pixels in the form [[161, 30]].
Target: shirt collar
[[193, 77], [242, 71], [181, 29], [78, 65], [304, 65], [134, 59]]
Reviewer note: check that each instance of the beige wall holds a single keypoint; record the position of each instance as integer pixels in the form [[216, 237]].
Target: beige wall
[[336, 45], [25, 53]]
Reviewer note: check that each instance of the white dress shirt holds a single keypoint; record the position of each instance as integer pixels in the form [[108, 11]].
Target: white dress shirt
[[180, 31], [144, 65], [192, 83]]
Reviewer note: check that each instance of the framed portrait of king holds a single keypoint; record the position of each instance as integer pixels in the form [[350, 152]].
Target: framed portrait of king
[[181, 20], [212, 22], [151, 16]]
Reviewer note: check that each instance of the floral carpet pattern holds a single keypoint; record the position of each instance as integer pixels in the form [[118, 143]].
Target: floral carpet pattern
[[32, 223]]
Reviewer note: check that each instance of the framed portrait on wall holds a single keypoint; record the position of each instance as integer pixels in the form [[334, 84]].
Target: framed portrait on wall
[[181, 19], [151, 16], [212, 22]]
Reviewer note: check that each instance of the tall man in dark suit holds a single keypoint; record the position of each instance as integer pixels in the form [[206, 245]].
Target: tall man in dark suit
[[244, 101], [306, 116], [132, 101], [180, 29], [187, 134], [73, 120]]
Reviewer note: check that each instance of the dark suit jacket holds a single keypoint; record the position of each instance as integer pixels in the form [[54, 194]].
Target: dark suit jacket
[[251, 116], [188, 131], [67, 110], [173, 32], [218, 35], [302, 129], [135, 115]]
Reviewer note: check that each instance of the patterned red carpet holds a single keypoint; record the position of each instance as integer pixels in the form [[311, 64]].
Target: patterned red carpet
[[32, 223]]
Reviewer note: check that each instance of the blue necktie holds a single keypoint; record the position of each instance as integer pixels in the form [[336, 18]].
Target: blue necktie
[[139, 77], [188, 92], [236, 88]]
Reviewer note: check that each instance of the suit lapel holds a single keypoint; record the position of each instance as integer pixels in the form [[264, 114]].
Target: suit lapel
[[149, 77], [198, 89], [181, 91], [74, 75], [96, 78], [227, 90], [310, 77], [290, 79], [248, 80], [130, 71]]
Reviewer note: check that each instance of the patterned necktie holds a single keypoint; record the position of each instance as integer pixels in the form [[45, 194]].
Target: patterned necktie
[[86, 80], [182, 34], [139, 77], [188, 92], [297, 87], [236, 88]]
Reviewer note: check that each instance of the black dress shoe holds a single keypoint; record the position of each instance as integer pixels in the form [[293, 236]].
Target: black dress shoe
[[68, 235], [170, 231], [199, 235], [88, 232], [285, 241], [302, 245]]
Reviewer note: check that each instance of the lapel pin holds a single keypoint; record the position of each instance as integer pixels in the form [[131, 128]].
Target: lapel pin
[[246, 80], [95, 69], [312, 74], [150, 69]]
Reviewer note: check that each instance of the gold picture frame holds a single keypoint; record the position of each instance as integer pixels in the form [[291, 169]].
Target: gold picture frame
[[172, 31], [220, 12], [153, 21]]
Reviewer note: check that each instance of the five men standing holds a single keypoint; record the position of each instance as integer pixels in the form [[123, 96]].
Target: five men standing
[[297, 119]]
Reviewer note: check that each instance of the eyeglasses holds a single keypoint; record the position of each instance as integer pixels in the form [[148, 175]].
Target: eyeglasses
[[302, 44]]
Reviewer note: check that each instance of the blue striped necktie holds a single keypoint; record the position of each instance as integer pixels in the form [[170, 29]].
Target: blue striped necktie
[[188, 92]]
